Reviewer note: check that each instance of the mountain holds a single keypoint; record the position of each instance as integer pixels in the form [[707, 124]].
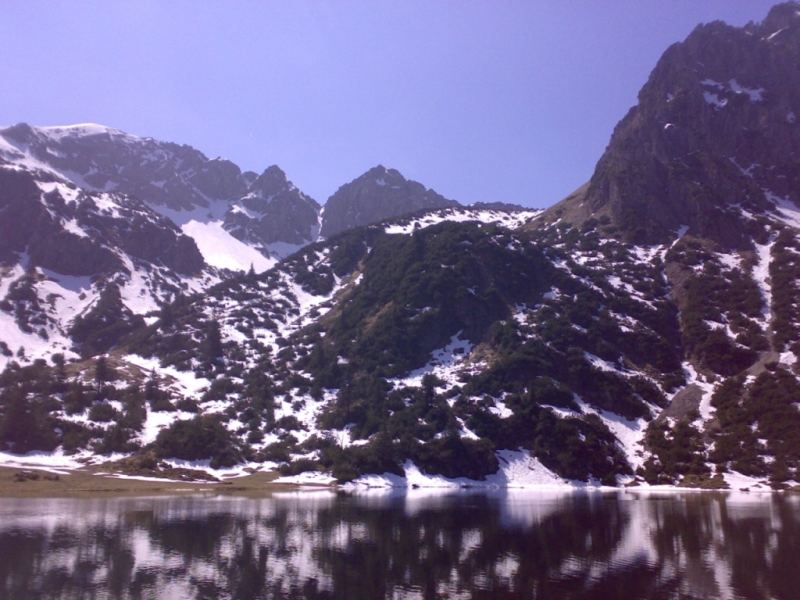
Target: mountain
[[706, 167], [644, 331], [102, 228], [375, 196], [235, 218], [79, 269], [274, 215], [712, 138]]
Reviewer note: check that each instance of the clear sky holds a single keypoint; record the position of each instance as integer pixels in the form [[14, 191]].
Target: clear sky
[[481, 100]]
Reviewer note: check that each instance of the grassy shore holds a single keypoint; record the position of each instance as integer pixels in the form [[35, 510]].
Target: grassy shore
[[96, 481], [17, 482]]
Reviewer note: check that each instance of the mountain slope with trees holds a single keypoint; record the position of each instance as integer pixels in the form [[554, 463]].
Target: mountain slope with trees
[[645, 330]]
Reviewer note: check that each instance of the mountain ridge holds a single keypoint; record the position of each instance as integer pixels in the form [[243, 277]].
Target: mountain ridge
[[140, 221], [714, 105], [643, 332]]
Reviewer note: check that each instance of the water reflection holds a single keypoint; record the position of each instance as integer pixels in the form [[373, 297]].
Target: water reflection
[[415, 545]]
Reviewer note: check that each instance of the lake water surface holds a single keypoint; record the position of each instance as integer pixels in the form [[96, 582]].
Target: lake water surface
[[420, 544]]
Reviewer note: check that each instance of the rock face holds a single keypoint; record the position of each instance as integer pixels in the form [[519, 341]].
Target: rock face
[[717, 124], [264, 212], [274, 215], [65, 251], [378, 194], [106, 159]]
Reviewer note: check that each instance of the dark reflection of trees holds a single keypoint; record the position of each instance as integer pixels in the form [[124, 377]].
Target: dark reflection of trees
[[583, 546], [764, 555], [782, 578], [421, 550], [759, 549], [19, 553], [192, 538]]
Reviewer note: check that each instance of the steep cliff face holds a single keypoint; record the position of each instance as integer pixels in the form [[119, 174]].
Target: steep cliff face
[[715, 136], [274, 215], [245, 214], [378, 194], [102, 158]]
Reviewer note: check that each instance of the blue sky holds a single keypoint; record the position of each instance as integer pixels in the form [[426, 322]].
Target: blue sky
[[481, 100]]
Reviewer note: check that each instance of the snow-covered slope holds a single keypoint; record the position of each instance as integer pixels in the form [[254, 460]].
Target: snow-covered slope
[[152, 219], [265, 213], [64, 249], [512, 219]]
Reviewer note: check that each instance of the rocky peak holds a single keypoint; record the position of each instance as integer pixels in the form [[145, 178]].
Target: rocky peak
[[378, 194], [274, 215], [271, 181], [714, 133], [380, 173], [100, 158], [781, 16]]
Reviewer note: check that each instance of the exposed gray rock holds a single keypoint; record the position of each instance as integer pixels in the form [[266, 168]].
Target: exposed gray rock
[[266, 211], [715, 126], [378, 194], [274, 215], [101, 158]]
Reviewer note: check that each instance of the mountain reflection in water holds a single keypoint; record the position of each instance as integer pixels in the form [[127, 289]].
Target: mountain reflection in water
[[509, 544]]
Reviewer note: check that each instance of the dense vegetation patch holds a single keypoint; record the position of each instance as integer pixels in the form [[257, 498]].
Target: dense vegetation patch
[[200, 438]]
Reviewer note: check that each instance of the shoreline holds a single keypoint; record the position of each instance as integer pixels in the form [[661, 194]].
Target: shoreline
[[93, 481], [28, 482]]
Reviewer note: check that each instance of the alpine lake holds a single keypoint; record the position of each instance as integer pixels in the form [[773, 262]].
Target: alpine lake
[[416, 543]]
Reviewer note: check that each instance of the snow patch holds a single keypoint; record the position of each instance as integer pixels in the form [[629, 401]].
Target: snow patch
[[755, 94], [518, 469], [760, 275], [444, 364], [220, 249], [509, 219], [310, 478], [714, 100]]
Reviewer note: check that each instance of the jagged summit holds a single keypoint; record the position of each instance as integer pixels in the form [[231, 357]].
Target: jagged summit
[[207, 198], [274, 215], [780, 17], [378, 194], [272, 177], [273, 181], [381, 176], [713, 136]]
